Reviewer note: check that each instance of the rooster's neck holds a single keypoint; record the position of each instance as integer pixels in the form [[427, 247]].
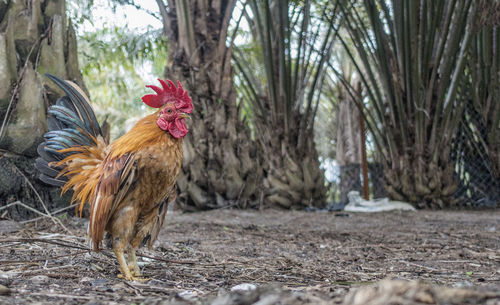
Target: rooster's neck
[[144, 134]]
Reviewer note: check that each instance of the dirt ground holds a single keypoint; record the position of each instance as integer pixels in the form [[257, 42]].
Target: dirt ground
[[292, 257]]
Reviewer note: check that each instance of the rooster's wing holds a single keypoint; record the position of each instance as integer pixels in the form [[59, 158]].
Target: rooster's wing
[[117, 176]]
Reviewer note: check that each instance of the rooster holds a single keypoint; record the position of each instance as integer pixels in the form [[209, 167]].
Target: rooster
[[129, 182]]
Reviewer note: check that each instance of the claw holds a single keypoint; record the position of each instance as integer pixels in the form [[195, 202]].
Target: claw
[[132, 278], [133, 271], [126, 274], [130, 272], [142, 279]]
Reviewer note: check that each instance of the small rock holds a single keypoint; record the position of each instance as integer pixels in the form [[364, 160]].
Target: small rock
[[187, 295], [96, 267], [244, 287], [4, 290], [98, 282], [39, 279], [100, 285], [86, 279], [462, 284], [6, 278]]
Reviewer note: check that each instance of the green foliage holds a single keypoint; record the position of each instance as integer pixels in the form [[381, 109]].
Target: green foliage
[[114, 61], [80, 11], [115, 3], [281, 64]]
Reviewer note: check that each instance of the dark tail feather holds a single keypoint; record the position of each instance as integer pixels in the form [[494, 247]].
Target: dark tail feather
[[71, 122], [45, 169], [80, 103], [48, 173]]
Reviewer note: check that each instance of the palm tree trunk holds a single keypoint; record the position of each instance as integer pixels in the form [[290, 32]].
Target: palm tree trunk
[[376, 172], [348, 152], [293, 178], [36, 38], [221, 164], [282, 89]]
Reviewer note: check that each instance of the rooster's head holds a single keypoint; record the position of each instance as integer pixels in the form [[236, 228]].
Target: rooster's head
[[175, 106]]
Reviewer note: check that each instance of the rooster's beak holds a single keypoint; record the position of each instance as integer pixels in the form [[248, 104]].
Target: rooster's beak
[[184, 115]]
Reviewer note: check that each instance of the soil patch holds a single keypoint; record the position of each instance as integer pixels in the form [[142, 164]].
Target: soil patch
[[308, 257]]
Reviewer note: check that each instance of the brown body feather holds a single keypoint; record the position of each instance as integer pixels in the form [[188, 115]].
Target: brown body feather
[[126, 183]]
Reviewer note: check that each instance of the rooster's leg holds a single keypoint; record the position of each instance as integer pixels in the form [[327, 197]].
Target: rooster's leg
[[133, 267], [123, 265]]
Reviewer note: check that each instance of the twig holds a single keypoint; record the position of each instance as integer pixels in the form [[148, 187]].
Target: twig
[[153, 288], [102, 260], [421, 266], [58, 236], [53, 213], [41, 259], [105, 253], [58, 295], [137, 290], [47, 241], [52, 241], [64, 276], [32, 272], [24, 206], [173, 261], [54, 220], [11, 263]]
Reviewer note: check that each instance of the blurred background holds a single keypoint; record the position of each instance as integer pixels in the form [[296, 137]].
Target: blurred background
[[296, 102]]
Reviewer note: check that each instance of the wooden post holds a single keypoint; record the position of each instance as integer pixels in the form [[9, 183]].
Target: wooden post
[[364, 162]]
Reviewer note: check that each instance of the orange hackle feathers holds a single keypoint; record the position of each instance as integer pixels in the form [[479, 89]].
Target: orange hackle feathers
[[143, 134]]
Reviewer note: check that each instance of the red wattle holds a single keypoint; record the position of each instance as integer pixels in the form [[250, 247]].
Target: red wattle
[[162, 124], [178, 128]]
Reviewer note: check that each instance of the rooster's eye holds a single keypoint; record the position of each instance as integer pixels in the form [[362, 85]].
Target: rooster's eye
[[169, 110]]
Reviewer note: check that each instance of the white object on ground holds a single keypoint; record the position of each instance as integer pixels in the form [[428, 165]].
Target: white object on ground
[[188, 295], [358, 204], [244, 287]]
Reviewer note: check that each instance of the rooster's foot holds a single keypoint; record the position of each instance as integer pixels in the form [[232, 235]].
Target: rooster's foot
[[133, 278], [134, 270], [132, 266]]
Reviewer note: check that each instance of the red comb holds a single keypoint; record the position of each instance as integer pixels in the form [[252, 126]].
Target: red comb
[[169, 94]]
